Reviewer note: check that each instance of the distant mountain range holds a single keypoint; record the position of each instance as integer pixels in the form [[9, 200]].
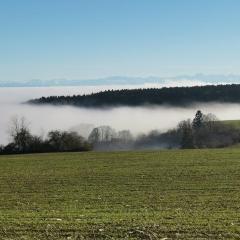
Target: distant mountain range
[[184, 80]]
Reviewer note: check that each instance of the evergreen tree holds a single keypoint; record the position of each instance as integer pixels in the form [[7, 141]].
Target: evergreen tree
[[198, 120]]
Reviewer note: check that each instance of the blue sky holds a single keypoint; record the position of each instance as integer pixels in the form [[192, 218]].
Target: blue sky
[[79, 39]]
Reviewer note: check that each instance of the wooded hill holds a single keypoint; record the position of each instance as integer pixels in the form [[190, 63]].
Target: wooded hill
[[176, 96]]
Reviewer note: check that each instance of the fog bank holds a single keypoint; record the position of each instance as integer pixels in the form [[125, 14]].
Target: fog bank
[[136, 119]]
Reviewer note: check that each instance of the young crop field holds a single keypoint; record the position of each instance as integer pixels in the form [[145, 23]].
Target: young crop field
[[190, 194]]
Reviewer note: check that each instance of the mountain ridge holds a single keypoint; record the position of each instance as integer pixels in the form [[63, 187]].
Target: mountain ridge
[[125, 80]]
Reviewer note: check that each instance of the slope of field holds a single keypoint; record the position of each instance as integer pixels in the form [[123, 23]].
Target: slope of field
[[233, 123], [191, 194]]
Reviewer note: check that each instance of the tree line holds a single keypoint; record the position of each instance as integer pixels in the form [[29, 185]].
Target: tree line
[[176, 96], [23, 141], [203, 131]]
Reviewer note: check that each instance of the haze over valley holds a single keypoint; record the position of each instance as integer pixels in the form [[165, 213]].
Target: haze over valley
[[136, 119]]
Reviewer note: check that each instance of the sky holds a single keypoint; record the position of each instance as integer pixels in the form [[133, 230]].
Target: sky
[[82, 39]]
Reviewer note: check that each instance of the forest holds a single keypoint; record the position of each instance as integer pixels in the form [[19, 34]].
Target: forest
[[175, 96]]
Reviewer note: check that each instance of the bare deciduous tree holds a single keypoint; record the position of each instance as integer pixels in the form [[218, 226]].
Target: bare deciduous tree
[[19, 133]]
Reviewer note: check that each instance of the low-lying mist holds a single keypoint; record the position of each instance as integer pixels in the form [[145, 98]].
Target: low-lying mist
[[136, 119]]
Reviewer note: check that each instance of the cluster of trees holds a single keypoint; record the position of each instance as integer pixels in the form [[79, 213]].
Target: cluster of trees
[[177, 96], [205, 131], [23, 141], [106, 138]]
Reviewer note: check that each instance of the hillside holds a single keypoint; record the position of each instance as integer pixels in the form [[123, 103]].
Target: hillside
[[233, 123], [176, 96], [191, 194]]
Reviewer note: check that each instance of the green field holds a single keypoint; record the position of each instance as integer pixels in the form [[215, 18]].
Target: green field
[[190, 194]]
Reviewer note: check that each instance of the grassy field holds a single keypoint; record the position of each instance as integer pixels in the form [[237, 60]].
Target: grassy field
[[191, 194]]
